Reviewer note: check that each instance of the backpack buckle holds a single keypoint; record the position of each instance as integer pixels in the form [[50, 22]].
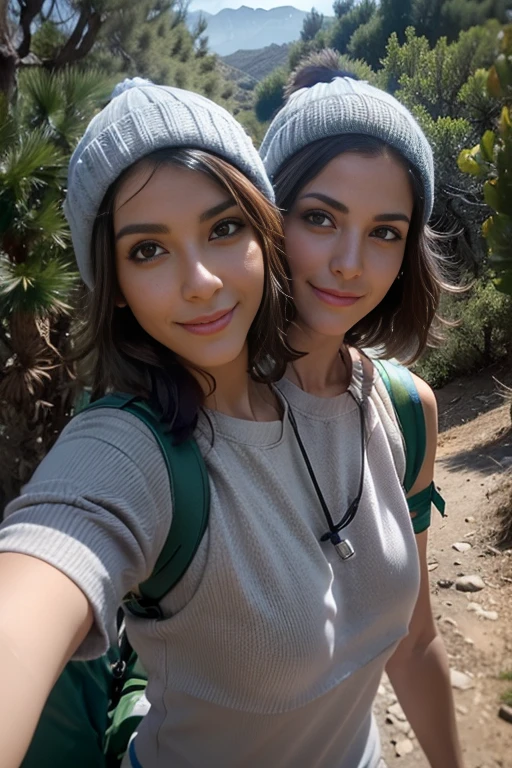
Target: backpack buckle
[[142, 608]]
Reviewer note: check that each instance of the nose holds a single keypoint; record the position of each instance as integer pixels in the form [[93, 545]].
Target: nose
[[347, 257], [199, 281]]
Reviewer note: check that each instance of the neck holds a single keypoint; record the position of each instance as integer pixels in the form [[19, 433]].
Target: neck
[[322, 371], [236, 394]]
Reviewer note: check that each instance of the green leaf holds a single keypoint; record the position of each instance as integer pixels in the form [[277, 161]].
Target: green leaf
[[498, 232], [492, 196], [468, 163], [36, 286], [487, 146]]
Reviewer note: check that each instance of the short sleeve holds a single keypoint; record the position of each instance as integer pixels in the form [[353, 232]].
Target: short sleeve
[[97, 508]]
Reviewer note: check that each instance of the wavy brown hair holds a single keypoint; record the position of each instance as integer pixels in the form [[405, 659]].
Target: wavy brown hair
[[121, 356], [406, 320]]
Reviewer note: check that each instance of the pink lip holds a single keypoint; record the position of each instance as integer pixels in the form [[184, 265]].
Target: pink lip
[[335, 298], [207, 325]]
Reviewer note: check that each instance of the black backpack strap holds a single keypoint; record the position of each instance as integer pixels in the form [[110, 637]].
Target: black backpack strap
[[190, 493]]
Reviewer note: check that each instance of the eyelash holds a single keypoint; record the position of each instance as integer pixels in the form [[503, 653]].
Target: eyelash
[[307, 217], [133, 252], [237, 222]]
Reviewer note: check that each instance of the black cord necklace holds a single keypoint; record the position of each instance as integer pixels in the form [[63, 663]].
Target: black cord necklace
[[343, 546]]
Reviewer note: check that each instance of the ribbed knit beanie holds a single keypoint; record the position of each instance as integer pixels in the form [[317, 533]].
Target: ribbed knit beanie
[[347, 106], [141, 118]]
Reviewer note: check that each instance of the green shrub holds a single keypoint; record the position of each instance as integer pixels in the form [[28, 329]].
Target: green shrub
[[480, 338]]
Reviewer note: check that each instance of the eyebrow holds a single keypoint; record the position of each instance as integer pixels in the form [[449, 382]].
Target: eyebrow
[[343, 208], [161, 229]]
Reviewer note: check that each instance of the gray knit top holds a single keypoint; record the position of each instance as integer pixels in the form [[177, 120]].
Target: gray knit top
[[272, 647]]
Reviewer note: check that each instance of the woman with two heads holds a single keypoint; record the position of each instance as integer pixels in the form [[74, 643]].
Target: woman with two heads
[[310, 577]]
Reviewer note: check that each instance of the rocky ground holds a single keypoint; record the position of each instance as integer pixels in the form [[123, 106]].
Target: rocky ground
[[474, 471]]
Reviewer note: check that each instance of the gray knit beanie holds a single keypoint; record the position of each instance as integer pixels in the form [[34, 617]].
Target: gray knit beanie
[[344, 106], [141, 118]]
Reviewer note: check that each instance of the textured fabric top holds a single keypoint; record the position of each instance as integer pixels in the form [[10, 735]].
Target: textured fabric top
[[140, 118], [347, 106], [272, 648]]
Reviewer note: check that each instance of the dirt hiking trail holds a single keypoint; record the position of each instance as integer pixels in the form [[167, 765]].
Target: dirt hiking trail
[[474, 472]]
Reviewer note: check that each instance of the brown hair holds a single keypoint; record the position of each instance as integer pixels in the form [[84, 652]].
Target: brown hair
[[123, 357]]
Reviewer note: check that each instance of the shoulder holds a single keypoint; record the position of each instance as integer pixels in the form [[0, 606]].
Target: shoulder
[[100, 446], [428, 400], [429, 404]]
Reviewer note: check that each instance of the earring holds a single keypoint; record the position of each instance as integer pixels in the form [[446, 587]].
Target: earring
[[400, 275]]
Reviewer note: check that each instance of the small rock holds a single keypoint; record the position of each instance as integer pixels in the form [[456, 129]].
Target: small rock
[[460, 680], [457, 562], [450, 621], [397, 711], [469, 641], [404, 747], [461, 546], [489, 615], [462, 710], [472, 583], [381, 691], [433, 566], [469, 519], [447, 603], [445, 583], [505, 712], [493, 550]]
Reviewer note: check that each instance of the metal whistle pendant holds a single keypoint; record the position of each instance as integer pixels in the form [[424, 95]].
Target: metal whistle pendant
[[343, 547]]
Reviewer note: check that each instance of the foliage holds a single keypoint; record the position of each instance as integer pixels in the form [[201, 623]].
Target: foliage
[[148, 38], [491, 159], [345, 25], [443, 87], [37, 283], [481, 337], [269, 94], [313, 23]]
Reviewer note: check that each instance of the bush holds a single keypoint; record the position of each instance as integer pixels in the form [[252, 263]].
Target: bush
[[480, 338], [269, 94]]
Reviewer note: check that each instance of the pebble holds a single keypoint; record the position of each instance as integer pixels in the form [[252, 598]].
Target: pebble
[[433, 566], [489, 615], [457, 562], [460, 680], [397, 711], [472, 583], [505, 712], [461, 546], [450, 621], [404, 747], [462, 710], [445, 583], [469, 519]]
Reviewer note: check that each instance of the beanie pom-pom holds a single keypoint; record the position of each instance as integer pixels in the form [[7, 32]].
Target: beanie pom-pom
[[319, 67], [127, 83]]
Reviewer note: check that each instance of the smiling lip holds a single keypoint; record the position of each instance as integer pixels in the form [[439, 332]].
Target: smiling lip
[[209, 324], [335, 298]]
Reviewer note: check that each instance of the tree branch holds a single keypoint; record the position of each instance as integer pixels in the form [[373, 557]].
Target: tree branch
[[80, 41], [28, 12]]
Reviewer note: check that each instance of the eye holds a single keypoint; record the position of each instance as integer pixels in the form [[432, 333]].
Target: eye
[[144, 252], [226, 228], [386, 233], [318, 219]]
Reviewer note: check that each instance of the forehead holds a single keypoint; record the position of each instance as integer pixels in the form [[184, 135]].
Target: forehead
[[381, 178], [164, 187]]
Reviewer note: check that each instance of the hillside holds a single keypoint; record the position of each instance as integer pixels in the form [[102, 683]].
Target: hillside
[[248, 29], [259, 63]]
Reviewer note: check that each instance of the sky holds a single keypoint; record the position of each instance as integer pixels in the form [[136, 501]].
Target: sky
[[214, 6]]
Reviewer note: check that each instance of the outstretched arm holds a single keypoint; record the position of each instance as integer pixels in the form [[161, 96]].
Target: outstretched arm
[[44, 618], [419, 669]]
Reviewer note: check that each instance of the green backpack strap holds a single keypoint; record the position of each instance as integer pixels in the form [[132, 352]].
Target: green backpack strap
[[409, 412], [190, 492]]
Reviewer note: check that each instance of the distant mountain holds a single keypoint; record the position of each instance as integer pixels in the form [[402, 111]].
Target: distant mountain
[[261, 62], [248, 28]]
